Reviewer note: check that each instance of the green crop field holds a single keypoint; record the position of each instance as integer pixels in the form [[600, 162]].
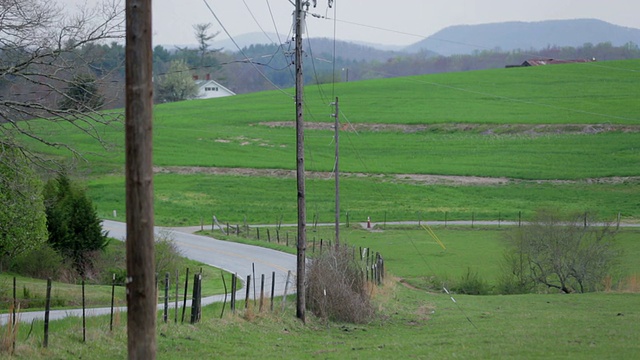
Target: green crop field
[[557, 136]]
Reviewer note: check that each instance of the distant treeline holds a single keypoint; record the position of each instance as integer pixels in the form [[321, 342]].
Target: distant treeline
[[264, 67], [273, 63]]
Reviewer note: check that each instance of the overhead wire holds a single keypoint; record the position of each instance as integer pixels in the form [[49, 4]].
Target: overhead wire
[[275, 27], [242, 51]]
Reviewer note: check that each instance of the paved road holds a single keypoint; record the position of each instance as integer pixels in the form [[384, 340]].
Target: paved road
[[233, 257]]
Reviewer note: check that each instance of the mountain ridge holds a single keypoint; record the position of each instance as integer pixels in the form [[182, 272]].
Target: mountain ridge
[[520, 35]]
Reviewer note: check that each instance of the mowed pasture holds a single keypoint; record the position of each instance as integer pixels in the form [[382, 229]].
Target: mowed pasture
[[559, 136], [555, 136], [563, 136]]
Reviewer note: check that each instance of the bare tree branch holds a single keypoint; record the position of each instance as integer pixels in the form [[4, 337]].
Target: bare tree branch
[[42, 51]]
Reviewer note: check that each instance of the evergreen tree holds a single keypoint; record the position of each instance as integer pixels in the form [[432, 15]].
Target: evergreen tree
[[74, 227], [82, 95]]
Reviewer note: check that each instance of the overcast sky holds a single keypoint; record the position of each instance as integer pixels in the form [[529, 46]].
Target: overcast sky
[[406, 21]]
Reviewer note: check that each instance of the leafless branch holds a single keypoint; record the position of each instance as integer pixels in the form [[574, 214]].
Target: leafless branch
[[42, 49]]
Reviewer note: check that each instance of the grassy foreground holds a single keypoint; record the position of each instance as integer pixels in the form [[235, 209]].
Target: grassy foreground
[[411, 324]]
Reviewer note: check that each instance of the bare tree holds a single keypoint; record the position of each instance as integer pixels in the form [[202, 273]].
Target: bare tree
[[562, 252], [41, 53], [203, 37]]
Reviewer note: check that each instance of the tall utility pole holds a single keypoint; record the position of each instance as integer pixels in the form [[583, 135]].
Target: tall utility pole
[[337, 172], [302, 211], [141, 289]]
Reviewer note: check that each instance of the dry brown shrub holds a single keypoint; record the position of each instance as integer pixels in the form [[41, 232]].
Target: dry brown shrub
[[630, 284], [337, 289], [11, 331], [249, 314]]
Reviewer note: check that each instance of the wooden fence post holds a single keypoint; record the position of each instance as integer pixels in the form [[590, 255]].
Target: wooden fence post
[[286, 287], [13, 319], [47, 307], [175, 319], [246, 298], [233, 293], [261, 294], [273, 287], [84, 317], [113, 295], [224, 283], [186, 290], [165, 314], [253, 272]]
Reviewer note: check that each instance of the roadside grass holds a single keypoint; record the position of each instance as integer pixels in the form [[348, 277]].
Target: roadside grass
[[410, 324], [31, 293], [182, 200]]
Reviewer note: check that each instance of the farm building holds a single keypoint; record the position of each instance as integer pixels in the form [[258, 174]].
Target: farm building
[[208, 88], [541, 62]]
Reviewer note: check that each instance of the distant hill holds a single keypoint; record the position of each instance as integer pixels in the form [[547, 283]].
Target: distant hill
[[322, 47], [507, 36]]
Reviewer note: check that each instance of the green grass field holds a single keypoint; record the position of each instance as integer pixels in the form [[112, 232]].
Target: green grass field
[[480, 123], [182, 200], [410, 323], [31, 293], [465, 115]]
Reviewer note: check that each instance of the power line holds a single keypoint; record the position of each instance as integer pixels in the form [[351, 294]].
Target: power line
[[242, 51]]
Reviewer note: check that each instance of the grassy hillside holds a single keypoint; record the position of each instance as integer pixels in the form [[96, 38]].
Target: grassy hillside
[[566, 122]]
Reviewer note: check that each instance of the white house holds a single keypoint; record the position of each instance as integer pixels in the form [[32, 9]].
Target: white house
[[208, 88]]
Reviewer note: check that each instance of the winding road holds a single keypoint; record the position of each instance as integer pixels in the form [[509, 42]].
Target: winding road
[[236, 258]]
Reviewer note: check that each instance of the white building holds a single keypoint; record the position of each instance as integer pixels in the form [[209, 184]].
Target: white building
[[208, 88]]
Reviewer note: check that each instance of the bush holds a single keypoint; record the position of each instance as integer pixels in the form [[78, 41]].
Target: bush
[[42, 262], [471, 284], [562, 252], [167, 254], [336, 287]]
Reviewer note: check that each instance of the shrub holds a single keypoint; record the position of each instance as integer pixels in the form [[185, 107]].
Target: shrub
[[336, 287], [42, 262], [562, 252], [471, 284], [167, 253]]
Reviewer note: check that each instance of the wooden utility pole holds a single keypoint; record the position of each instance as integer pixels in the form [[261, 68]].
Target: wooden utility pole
[[141, 289], [337, 172], [302, 212]]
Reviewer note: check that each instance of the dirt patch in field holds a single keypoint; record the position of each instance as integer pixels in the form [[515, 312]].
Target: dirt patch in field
[[485, 129], [420, 179]]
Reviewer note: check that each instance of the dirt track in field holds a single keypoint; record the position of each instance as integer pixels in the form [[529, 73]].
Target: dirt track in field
[[485, 129], [420, 179]]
